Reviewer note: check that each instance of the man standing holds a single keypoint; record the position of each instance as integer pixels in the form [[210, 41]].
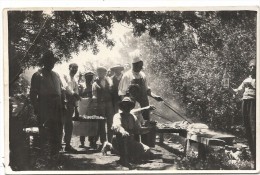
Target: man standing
[[248, 89], [86, 92], [136, 76], [102, 97], [116, 79], [46, 98], [72, 97]]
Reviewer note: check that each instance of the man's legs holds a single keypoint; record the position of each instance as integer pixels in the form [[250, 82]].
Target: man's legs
[[92, 141], [122, 148], [249, 114], [68, 126], [116, 103], [102, 131], [109, 115], [82, 141], [101, 111], [146, 115], [55, 132]]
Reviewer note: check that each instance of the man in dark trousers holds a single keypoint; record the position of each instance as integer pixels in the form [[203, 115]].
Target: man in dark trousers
[[47, 100], [248, 89], [102, 97], [72, 96], [86, 92], [116, 79]]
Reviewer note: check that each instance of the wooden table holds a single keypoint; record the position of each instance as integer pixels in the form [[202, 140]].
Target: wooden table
[[161, 131]]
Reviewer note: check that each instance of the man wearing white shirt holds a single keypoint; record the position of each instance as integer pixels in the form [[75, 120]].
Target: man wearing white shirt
[[136, 76], [72, 97]]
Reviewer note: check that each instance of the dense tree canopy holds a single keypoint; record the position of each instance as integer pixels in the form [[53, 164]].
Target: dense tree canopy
[[189, 62], [31, 33]]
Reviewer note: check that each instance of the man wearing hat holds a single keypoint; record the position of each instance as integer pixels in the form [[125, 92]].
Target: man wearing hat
[[102, 88], [86, 92], [117, 69], [136, 76], [47, 100], [72, 96], [248, 88], [125, 125]]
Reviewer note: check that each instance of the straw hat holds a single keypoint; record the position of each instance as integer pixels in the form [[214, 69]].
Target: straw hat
[[118, 66], [126, 102]]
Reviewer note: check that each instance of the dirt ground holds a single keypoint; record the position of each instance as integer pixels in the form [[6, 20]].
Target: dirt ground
[[87, 159]]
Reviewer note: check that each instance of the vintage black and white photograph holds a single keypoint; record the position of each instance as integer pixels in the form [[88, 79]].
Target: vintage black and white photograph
[[131, 89]]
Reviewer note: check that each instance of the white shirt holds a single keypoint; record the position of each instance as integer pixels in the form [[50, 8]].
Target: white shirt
[[248, 88], [70, 85], [125, 82]]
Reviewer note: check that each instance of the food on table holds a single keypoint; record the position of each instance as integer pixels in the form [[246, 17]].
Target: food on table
[[92, 117]]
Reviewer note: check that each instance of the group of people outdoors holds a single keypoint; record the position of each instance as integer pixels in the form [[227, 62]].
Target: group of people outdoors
[[56, 99], [121, 97]]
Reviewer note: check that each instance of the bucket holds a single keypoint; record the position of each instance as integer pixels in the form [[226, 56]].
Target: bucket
[[149, 138]]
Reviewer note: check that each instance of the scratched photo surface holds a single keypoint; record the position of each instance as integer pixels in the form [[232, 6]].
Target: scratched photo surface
[[94, 90]]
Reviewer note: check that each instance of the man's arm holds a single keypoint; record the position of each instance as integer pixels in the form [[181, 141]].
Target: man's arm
[[63, 93], [139, 128], [139, 110], [94, 90], [154, 96], [117, 125], [237, 91], [34, 92], [148, 90]]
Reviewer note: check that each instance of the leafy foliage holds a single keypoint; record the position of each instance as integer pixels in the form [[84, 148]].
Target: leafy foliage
[[189, 61], [214, 161]]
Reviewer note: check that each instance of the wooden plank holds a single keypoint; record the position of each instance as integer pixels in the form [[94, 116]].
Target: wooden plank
[[170, 130]]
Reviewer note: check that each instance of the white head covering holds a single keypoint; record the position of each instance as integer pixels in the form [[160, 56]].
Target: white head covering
[[136, 59], [136, 56]]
